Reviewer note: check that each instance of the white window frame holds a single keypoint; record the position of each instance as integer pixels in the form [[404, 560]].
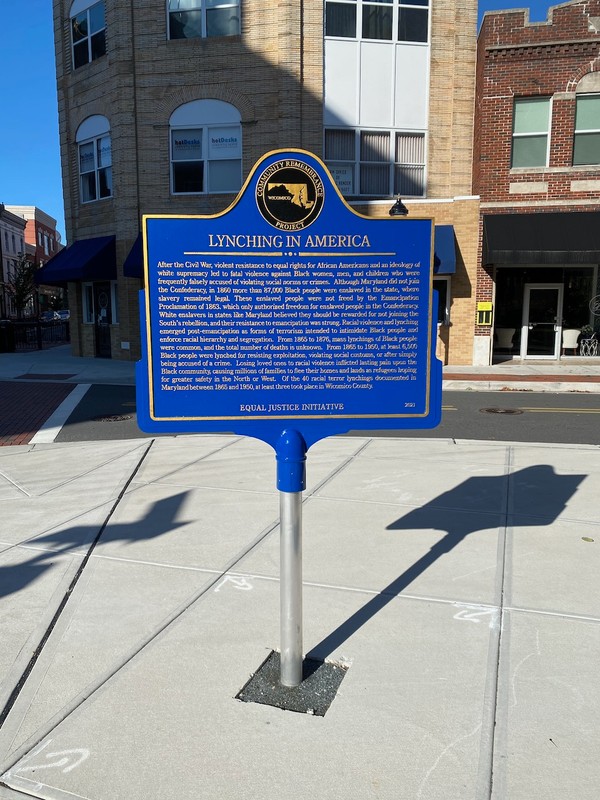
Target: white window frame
[[204, 9], [343, 169], [87, 303], [395, 6], [78, 9], [94, 131], [114, 302], [582, 132], [203, 119], [444, 311], [531, 134]]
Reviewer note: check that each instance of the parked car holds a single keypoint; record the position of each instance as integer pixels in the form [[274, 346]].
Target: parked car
[[48, 316], [63, 314]]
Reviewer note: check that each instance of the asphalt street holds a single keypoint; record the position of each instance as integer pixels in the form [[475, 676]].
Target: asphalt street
[[108, 412]]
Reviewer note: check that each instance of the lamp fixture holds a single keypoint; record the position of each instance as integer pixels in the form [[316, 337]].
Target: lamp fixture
[[398, 209]]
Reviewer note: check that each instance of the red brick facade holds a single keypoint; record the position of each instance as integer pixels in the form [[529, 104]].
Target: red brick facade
[[516, 59], [555, 59]]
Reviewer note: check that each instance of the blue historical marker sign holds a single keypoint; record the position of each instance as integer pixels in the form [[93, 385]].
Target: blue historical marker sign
[[288, 312]]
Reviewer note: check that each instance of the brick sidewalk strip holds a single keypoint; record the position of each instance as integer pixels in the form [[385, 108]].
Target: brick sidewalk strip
[[512, 377], [24, 407]]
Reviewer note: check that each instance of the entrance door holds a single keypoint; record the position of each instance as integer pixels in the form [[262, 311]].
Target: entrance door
[[103, 313], [542, 314]]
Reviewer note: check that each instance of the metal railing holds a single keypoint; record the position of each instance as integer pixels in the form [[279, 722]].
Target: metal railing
[[34, 335]]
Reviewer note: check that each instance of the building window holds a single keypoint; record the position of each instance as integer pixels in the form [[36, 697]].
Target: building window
[[409, 164], [87, 290], [95, 159], [376, 163], [14, 245], [531, 119], [586, 144], [388, 20], [6, 241], [206, 148], [88, 32], [190, 19]]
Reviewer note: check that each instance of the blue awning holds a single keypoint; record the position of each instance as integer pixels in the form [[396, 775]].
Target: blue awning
[[85, 260], [444, 250], [134, 263]]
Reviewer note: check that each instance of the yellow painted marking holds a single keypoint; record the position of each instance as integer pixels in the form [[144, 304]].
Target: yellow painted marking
[[562, 410]]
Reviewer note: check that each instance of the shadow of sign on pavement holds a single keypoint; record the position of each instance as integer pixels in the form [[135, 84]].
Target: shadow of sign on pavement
[[538, 483]]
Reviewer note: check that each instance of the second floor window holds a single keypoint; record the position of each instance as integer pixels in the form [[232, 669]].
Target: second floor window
[[95, 169], [94, 156], [376, 163], [531, 118], [189, 19], [88, 32], [206, 148], [586, 145]]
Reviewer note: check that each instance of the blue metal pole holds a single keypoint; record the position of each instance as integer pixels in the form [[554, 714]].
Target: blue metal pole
[[291, 481]]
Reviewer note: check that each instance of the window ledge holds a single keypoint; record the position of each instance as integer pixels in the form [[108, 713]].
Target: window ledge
[[192, 41], [567, 168]]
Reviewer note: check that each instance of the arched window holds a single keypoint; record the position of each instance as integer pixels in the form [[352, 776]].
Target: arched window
[[88, 31], [95, 159], [206, 148]]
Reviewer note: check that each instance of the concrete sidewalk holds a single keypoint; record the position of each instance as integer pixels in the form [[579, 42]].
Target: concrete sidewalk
[[139, 592]]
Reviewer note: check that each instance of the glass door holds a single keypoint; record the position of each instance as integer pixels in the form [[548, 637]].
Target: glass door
[[542, 314], [103, 320]]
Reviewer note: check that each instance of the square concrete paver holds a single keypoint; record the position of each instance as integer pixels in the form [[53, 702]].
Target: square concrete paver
[[547, 743]]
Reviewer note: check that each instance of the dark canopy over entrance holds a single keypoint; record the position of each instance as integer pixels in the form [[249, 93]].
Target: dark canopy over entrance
[[85, 260], [542, 238]]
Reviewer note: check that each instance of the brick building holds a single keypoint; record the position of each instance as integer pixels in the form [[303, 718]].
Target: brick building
[[537, 171], [42, 242], [12, 247], [40, 232], [165, 107]]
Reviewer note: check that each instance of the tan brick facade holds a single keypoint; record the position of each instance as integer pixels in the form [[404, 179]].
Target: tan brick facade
[[273, 74]]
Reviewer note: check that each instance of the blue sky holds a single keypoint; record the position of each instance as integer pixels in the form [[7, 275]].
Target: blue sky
[[30, 171]]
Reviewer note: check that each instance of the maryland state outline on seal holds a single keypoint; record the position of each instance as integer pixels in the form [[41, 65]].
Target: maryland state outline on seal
[[289, 195]]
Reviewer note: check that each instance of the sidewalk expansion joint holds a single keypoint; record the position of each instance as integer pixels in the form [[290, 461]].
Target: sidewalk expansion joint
[[38, 650]]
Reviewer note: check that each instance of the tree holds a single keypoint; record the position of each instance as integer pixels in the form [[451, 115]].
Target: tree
[[21, 284]]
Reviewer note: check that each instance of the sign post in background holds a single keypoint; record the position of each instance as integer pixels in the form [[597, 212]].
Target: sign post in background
[[288, 317]]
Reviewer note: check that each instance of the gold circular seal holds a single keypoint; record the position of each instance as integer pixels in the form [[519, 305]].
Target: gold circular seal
[[289, 194]]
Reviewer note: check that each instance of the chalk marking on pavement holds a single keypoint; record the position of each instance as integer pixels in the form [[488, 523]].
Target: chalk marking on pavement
[[238, 583], [80, 754], [474, 614], [53, 425]]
